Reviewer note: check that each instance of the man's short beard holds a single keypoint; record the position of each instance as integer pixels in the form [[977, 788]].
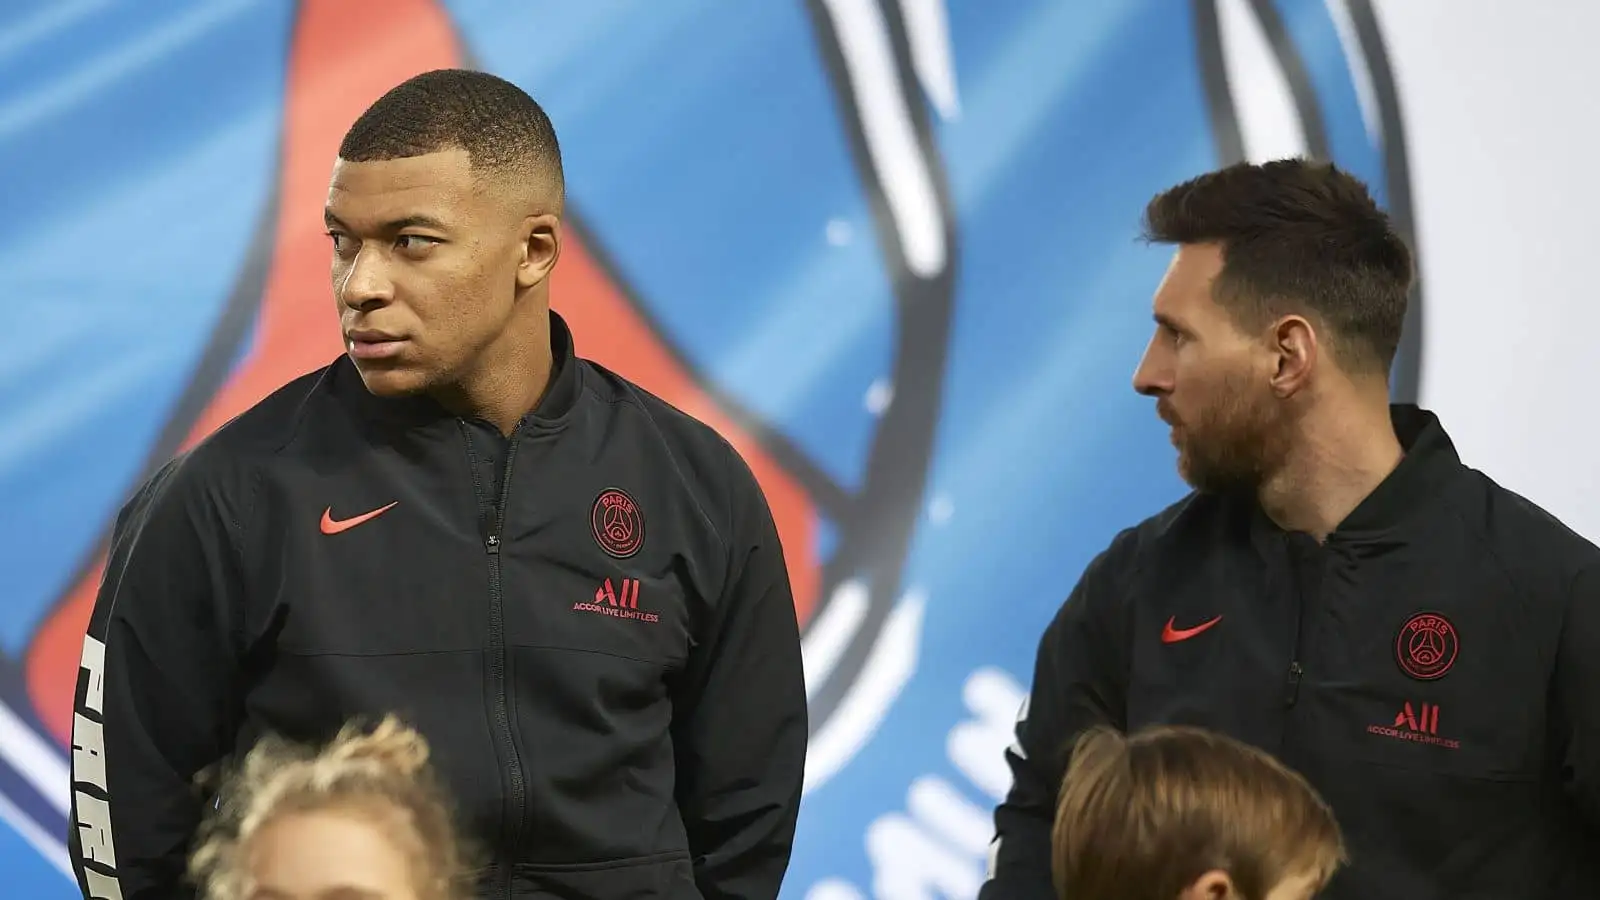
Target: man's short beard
[[1236, 443]]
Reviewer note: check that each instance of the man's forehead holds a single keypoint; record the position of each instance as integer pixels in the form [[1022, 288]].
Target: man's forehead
[[431, 184], [1189, 277], [1196, 264]]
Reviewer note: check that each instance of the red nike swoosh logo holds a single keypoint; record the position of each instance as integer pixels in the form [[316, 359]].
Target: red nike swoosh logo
[[330, 525], [1170, 635]]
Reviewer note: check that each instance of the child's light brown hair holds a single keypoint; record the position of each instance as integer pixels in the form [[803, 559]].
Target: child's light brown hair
[[1144, 817], [383, 773]]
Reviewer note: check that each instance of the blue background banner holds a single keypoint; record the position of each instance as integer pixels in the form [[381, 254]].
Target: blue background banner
[[888, 246]]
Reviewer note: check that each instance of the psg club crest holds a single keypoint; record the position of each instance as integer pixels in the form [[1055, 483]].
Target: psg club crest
[[617, 523], [1426, 646]]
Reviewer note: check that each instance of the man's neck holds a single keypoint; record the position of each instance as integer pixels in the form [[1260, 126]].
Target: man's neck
[[509, 380], [1341, 457]]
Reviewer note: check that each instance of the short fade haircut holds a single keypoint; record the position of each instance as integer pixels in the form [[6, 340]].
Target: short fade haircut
[[1297, 236], [502, 129], [1143, 817]]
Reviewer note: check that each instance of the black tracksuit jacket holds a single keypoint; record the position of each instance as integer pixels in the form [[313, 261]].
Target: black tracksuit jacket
[[590, 621], [1433, 669]]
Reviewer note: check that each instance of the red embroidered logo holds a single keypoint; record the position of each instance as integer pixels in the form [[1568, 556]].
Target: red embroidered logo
[[1419, 724], [623, 604], [330, 525], [1171, 635], [617, 523], [1426, 646]]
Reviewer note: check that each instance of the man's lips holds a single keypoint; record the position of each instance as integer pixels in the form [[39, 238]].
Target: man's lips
[[370, 344]]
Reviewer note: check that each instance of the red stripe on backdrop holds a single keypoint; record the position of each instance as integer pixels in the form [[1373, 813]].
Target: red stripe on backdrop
[[345, 55]]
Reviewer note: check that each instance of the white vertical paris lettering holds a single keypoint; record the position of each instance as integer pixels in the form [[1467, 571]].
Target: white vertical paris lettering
[[89, 769]]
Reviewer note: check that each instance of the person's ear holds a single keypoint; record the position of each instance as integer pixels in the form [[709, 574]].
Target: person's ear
[[541, 247], [1296, 345], [1213, 885]]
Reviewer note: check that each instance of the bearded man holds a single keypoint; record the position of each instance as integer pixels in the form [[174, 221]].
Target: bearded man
[[1339, 590]]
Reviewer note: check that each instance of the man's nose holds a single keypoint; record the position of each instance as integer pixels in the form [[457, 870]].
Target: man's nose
[[1151, 377], [365, 282]]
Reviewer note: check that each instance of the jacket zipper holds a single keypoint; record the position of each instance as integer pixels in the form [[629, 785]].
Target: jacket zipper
[[1295, 671], [1298, 576], [512, 808]]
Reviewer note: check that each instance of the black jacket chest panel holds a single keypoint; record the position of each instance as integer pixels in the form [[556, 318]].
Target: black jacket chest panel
[[416, 577], [410, 579], [599, 555], [1418, 662], [1419, 707], [1212, 641], [1219, 623], [556, 574]]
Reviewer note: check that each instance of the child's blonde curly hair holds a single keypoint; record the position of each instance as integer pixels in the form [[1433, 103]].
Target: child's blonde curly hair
[[383, 772]]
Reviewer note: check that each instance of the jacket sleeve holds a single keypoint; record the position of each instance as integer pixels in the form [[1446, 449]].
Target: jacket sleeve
[[739, 721], [1577, 696], [1079, 680], [156, 686]]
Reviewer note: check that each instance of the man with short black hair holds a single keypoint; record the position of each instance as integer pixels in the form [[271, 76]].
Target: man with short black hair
[[575, 591], [1339, 590]]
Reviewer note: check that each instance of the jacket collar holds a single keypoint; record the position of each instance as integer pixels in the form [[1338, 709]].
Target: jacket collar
[[1429, 460]]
